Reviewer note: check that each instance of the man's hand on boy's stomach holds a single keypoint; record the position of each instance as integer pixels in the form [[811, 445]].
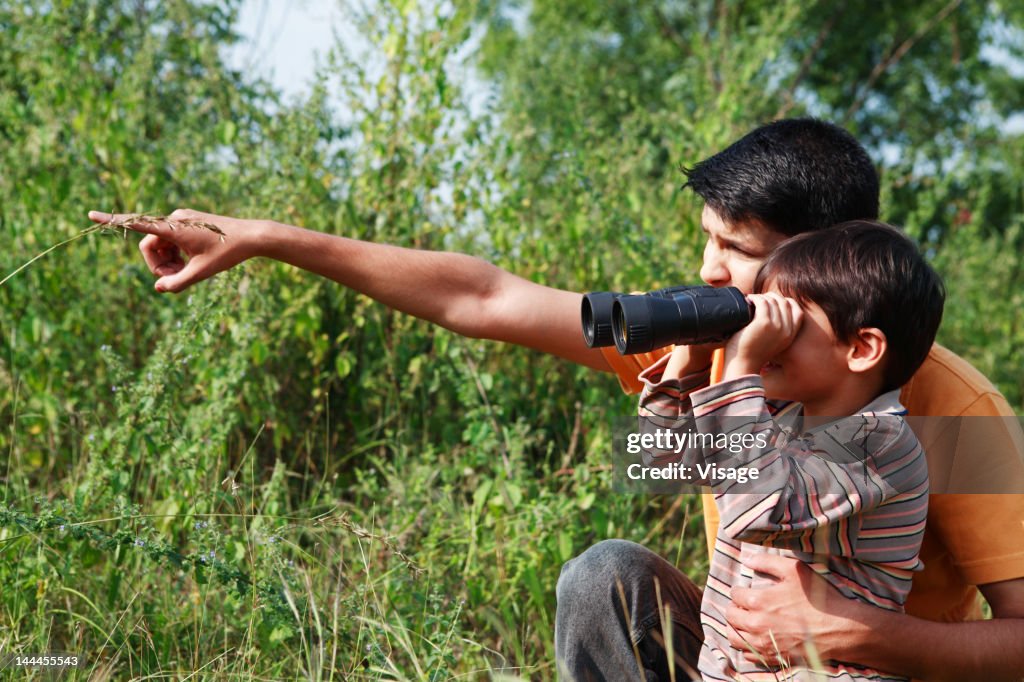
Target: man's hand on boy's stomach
[[774, 623]]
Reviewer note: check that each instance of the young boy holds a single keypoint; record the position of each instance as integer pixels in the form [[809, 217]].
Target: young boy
[[842, 318]]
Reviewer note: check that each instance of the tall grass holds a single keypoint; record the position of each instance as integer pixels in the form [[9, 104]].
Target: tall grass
[[422, 563]]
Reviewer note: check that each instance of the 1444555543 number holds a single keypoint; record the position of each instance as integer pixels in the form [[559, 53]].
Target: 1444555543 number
[[43, 661]]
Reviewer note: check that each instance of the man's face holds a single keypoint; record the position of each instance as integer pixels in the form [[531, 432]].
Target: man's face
[[735, 251]]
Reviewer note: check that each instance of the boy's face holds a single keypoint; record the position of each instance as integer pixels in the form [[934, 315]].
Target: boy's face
[[809, 370], [735, 251]]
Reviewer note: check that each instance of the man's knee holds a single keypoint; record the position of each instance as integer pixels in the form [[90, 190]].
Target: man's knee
[[610, 599], [602, 565]]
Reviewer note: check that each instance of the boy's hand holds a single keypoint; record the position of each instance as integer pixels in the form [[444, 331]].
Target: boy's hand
[[777, 320], [689, 359]]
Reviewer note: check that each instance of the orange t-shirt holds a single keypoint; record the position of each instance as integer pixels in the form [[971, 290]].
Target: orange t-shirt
[[970, 539]]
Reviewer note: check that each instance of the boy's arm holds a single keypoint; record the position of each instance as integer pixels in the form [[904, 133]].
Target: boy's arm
[[774, 510], [801, 606], [462, 293], [841, 465], [665, 403]]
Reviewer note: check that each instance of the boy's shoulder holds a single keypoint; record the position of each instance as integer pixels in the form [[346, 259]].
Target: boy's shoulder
[[946, 385], [879, 421]]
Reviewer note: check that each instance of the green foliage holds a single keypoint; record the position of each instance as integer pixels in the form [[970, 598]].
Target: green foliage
[[601, 102], [271, 476]]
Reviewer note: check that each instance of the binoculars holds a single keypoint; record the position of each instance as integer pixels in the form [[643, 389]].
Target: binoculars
[[683, 315]]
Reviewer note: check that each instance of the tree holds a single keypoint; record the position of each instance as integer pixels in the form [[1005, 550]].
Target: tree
[[601, 102]]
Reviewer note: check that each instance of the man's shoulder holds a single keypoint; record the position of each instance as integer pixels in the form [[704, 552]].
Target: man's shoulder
[[947, 385]]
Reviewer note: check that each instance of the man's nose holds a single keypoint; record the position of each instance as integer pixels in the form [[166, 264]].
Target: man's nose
[[714, 271]]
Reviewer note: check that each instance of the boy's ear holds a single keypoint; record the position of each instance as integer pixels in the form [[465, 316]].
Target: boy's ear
[[867, 349]]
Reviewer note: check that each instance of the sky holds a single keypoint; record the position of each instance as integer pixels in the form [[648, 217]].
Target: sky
[[283, 37]]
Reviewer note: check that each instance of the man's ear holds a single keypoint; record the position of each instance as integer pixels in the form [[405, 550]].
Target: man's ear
[[867, 350]]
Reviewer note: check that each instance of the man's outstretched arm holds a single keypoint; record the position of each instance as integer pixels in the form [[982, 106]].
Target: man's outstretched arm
[[462, 293]]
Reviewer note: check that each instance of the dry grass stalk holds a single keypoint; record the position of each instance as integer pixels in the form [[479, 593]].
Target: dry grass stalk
[[345, 522], [123, 226], [150, 220]]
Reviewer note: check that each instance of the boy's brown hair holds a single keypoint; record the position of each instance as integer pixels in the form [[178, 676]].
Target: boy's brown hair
[[864, 274]]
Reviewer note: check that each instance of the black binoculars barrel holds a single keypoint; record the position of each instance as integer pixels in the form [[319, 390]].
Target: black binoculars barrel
[[596, 313], [700, 315], [597, 318]]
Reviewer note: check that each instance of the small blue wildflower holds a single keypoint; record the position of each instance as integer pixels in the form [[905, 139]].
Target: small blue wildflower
[[139, 542]]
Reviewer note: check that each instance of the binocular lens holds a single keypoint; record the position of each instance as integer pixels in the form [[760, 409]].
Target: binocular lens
[[596, 313], [597, 318], [699, 315]]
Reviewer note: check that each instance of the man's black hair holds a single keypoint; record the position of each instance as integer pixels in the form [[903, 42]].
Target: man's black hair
[[864, 274], [792, 176]]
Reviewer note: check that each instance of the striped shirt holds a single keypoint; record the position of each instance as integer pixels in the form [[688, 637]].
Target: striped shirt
[[847, 497]]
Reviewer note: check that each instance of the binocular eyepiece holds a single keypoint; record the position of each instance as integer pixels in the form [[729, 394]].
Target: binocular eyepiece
[[683, 315]]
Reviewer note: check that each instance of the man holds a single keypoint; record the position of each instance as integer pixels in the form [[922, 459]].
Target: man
[[781, 179]]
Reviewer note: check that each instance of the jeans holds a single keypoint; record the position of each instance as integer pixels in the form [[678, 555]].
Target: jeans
[[608, 625]]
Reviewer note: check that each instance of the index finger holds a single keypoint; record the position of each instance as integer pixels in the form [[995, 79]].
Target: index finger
[[797, 311], [742, 600], [131, 221], [770, 564]]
